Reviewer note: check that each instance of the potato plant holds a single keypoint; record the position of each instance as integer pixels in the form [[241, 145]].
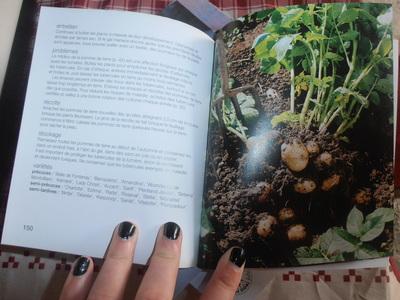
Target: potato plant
[[354, 242], [339, 57], [286, 193]]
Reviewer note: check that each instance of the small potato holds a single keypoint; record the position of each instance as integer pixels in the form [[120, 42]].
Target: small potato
[[295, 155], [305, 186], [297, 232], [286, 215], [324, 160], [223, 244], [265, 226], [330, 182], [362, 197], [261, 142], [312, 147]]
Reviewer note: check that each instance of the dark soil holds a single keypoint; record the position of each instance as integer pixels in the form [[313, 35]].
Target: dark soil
[[244, 187], [274, 90]]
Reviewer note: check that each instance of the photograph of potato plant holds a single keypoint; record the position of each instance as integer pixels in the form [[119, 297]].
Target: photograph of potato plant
[[300, 152]]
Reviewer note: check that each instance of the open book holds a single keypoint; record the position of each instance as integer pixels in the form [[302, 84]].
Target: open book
[[277, 136]]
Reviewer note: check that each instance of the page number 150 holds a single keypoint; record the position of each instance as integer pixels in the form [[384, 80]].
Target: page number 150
[[28, 227]]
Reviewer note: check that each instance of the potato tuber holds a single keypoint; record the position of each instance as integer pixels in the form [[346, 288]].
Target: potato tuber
[[295, 155], [330, 182], [266, 225], [305, 186], [362, 196], [261, 143], [297, 232], [324, 160], [286, 215], [312, 147], [223, 244]]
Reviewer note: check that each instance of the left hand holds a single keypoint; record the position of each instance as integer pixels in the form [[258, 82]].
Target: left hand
[[160, 277]]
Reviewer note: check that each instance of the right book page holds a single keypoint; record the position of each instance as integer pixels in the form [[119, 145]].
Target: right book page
[[300, 147]]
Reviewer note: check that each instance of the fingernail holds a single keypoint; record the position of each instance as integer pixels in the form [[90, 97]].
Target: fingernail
[[171, 230], [81, 266], [237, 256], [126, 230]]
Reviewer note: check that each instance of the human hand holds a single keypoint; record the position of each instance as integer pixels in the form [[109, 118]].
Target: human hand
[[160, 277]]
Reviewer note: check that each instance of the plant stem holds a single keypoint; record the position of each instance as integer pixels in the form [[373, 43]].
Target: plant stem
[[292, 98], [341, 42], [373, 86], [348, 124], [376, 50], [363, 73], [353, 60], [311, 87], [333, 116], [320, 65], [371, 64], [327, 106], [238, 134], [321, 54]]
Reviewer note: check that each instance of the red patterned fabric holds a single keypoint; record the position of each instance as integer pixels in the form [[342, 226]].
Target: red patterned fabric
[[146, 6], [237, 8], [234, 8]]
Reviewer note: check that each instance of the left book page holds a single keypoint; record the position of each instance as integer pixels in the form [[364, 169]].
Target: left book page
[[114, 128]]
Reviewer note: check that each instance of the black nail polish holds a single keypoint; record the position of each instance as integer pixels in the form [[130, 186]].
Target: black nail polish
[[237, 256], [171, 230], [126, 230], [81, 266]]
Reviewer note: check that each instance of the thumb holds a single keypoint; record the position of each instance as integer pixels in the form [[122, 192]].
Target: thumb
[[226, 277]]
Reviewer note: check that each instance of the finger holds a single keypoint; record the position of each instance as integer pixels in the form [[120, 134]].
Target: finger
[[226, 277], [160, 278], [79, 280], [111, 281]]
